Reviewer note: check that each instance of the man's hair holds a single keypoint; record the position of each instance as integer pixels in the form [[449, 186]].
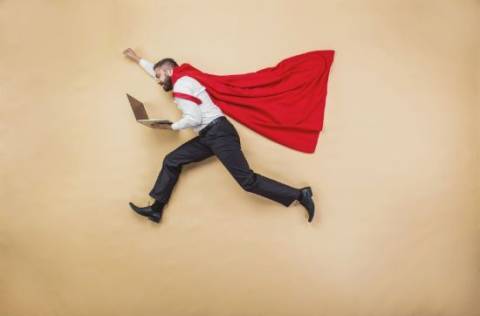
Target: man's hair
[[169, 61]]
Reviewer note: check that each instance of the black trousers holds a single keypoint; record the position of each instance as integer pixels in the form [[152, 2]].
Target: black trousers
[[221, 139]]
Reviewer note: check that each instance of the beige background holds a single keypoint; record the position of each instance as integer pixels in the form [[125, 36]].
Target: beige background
[[395, 175]]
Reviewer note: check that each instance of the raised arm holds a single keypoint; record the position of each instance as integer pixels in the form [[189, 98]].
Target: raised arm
[[145, 64]]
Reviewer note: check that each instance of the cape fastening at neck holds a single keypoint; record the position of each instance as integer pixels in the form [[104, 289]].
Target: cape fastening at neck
[[285, 103]]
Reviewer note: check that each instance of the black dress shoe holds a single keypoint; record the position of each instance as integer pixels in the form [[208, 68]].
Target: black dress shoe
[[153, 212], [307, 201]]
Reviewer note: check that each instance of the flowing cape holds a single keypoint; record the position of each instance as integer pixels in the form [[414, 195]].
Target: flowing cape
[[285, 103]]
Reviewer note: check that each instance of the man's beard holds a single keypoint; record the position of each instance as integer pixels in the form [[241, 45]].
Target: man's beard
[[167, 84]]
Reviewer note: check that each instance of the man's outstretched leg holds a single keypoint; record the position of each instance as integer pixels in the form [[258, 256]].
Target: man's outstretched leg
[[191, 151], [225, 144]]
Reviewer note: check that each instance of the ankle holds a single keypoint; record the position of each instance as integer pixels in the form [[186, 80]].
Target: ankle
[[157, 205], [299, 196]]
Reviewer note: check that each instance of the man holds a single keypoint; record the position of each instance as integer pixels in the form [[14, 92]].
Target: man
[[216, 136]]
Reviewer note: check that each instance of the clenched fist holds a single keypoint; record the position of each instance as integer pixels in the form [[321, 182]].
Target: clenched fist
[[130, 53]]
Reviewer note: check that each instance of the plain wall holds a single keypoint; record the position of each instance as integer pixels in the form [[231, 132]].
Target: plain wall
[[395, 175]]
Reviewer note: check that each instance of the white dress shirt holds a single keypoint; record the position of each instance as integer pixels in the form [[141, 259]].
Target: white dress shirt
[[194, 115]]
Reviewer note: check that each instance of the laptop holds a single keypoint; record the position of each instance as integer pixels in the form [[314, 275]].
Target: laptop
[[142, 116]]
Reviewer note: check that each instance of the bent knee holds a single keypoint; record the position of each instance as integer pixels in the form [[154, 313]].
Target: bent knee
[[171, 161], [248, 183]]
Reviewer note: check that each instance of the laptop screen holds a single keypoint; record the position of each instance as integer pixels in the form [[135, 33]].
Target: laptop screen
[[138, 108]]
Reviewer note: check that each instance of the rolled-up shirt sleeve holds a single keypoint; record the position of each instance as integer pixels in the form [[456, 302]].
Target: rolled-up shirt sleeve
[[147, 66]]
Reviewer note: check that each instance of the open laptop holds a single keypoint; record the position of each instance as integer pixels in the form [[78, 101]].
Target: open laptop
[[142, 116]]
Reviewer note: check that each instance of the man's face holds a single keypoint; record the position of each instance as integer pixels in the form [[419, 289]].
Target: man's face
[[164, 77]]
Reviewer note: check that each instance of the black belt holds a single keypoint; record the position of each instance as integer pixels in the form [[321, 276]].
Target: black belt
[[210, 125]]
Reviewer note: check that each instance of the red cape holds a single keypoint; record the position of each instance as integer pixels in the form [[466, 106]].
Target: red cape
[[284, 103]]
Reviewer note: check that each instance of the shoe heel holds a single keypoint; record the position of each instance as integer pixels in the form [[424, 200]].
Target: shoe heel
[[155, 218], [309, 190]]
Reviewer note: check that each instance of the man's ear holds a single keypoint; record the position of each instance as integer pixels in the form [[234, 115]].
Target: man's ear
[[170, 72]]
